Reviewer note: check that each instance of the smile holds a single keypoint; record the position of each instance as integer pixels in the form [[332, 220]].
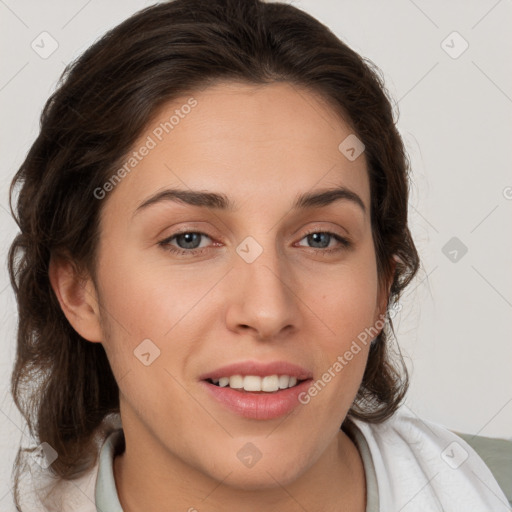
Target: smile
[[255, 383], [257, 405]]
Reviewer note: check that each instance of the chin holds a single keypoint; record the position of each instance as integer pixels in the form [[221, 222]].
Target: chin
[[275, 472]]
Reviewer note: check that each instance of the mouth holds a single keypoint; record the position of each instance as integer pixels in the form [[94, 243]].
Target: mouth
[[257, 404], [257, 390], [256, 384]]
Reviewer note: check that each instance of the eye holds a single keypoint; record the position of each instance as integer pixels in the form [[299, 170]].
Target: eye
[[189, 242], [322, 239]]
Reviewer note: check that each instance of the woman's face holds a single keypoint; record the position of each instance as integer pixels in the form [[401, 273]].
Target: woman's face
[[262, 282]]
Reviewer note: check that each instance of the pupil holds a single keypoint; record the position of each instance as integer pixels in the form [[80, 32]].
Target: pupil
[[316, 238], [190, 239]]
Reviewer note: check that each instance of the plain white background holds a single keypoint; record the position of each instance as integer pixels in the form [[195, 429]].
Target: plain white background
[[455, 109]]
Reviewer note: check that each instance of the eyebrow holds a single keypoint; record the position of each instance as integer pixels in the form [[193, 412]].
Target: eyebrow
[[220, 201]]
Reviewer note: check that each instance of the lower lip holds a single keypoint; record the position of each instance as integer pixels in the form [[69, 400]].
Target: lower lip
[[258, 406]]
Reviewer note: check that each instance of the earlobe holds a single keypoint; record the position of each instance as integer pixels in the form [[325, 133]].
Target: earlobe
[[77, 298]]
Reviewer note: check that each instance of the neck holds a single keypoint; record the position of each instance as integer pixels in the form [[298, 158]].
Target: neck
[[335, 482]]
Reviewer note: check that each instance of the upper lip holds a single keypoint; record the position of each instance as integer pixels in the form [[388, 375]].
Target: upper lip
[[260, 369]]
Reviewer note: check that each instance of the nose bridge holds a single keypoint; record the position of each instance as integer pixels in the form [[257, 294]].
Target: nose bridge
[[264, 298]]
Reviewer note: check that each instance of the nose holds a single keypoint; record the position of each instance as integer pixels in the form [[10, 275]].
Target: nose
[[263, 296]]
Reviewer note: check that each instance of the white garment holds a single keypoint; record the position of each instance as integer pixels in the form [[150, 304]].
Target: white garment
[[418, 465], [421, 466]]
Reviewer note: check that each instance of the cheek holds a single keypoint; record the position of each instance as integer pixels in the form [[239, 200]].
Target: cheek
[[148, 297], [150, 300], [345, 296], [345, 303]]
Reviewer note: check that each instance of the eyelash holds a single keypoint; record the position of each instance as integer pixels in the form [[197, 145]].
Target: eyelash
[[165, 244]]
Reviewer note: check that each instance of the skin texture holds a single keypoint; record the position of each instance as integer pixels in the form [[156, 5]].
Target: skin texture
[[262, 146]]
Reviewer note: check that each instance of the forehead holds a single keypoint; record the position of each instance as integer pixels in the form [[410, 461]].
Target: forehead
[[262, 143]]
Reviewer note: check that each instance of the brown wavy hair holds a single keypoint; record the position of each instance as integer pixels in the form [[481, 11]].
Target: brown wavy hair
[[62, 384]]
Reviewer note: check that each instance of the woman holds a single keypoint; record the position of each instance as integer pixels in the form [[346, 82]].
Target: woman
[[213, 234]]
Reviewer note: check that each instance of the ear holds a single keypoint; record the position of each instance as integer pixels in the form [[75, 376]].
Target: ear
[[384, 292], [77, 298]]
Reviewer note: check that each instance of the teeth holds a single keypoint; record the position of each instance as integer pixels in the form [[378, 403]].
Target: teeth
[[251, 383], [269, 384], [223, 382], [236, 382]]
